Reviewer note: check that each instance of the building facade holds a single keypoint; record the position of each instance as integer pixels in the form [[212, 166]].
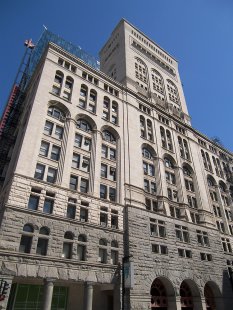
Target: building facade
[[106, 168]]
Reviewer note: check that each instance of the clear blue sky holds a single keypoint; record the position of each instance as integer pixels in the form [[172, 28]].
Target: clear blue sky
[[198, 33]]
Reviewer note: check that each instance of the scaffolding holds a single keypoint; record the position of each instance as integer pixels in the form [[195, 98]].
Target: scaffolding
[[14, 106]]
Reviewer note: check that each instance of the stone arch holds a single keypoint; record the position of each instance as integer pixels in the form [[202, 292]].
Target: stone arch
[[162, 294], [111, 130], [86, 118], [149, 148], [212, 296], [60, 106], [190, 295], [171, 158]]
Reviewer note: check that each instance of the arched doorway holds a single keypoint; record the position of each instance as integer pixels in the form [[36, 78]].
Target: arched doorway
[[209, 298], [186, 297], [158, 295]]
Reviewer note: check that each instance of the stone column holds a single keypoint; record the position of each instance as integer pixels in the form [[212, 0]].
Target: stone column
[[178, 303], [48, 293], [199, 303], [88, 296]]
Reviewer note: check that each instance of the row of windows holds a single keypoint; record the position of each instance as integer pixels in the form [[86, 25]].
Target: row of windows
[[158, 229], [68, 247], [141, 74], [163, 249], [73, 210]]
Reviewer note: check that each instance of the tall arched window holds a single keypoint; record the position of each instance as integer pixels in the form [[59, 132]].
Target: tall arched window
[[67, 93], [146, 128], [42, 244], [189, 185], [81, 161], [149, 171], [58, 80], [141, 74], [68, 245], [173, 94], [102, 251], [108, 173], [166, 139], [110, 110], [170, 173], [184, 149], [157, 84], [26, 239], [114, 252], [81, 249]]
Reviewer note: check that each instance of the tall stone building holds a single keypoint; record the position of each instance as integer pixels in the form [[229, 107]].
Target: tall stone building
[[104, 168]]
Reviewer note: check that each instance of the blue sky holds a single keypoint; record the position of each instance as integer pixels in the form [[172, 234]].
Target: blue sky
[[198, 33]]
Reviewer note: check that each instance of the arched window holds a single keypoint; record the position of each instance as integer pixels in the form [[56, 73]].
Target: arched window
[[189, 185], [186, 296], [146, 128], [184, 150], [109, 167], [146, 153], [166, 139], [173, 94], [170, 174], [92, 101], [83, 125], [42, 244], [58, 79], [213, 194], [81, 249], [68, 245], [68, 88], [110, 110], [114, 252], [69, 235], [157, 84], [26, 239], [56, 113], [158, 295], [102, 251], [141, 73], [109, 137]]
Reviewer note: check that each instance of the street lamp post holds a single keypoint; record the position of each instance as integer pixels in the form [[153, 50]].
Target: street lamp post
[[124, 260]]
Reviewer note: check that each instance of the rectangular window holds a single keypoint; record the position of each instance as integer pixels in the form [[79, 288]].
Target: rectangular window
[[44, 148], [103, 191], [48, 206], [33, 202], [83, 214], [112, 194], [58, 132], [112, 174], [73, 182], [39, 173], [75, 160], [42, 246], [84, 185], [103, 217], [78, 140], [104, 170], [104, 151], [67, 250], [55, 153], [182, 233], [86, 164], [146, 185], [48, 128], [71, 211], [112, 154], [51, 176]]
